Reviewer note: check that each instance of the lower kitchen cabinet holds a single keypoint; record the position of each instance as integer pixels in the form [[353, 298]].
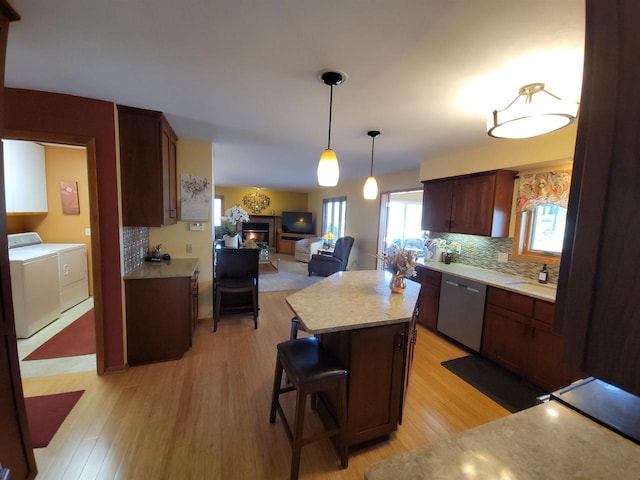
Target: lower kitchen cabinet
[[518, 335], [429, 297], [161, 306]]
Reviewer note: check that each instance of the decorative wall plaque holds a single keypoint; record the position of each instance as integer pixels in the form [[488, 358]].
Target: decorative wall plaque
[[256, 202]]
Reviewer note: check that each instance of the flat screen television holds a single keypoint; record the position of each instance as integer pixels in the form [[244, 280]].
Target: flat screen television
[[297, 222]]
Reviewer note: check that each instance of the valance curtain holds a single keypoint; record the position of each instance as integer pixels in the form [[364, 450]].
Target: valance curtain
[[541, 188]]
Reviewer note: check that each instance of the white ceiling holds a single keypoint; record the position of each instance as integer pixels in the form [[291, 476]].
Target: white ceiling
[[244, 74]]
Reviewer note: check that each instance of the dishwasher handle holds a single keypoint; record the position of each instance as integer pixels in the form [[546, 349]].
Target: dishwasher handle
[[461, 285]]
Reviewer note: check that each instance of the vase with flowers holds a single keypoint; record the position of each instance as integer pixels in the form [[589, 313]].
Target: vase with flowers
[[401, 263], [229, 225]]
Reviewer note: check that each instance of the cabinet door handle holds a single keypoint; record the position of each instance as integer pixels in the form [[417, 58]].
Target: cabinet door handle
[[400, 341]]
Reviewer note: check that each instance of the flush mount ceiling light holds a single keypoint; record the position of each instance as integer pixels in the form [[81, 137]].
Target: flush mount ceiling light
[[533, 112], [328, 169], [370, 190]]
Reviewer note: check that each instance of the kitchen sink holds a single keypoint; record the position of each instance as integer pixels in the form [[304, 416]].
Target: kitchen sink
[[534, 287]]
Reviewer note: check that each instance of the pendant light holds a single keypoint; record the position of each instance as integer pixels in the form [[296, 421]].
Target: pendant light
[[328, 169], [370, 190], [533, 112]]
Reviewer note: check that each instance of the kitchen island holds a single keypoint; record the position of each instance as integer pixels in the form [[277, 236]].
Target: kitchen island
[[356, 317], [545, 441]]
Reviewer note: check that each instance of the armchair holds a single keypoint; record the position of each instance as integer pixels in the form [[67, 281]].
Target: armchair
[[326, 265], [307, 247]]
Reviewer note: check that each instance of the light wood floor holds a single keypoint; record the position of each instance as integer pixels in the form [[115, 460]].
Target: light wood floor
[[207, 415]]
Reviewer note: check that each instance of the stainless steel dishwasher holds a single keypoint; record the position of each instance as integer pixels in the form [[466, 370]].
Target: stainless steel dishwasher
[[461, 310]]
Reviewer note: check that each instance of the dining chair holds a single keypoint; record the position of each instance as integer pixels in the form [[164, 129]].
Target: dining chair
[[236, 282]]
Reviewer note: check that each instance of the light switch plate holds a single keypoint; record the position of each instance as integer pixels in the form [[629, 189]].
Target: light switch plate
[[503, 257], [196, 227]]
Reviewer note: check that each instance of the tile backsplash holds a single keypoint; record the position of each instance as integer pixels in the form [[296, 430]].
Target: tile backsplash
[[483, 252], [135, 244]]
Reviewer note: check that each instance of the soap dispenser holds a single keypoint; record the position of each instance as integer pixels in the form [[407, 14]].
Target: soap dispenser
[[543, 276]]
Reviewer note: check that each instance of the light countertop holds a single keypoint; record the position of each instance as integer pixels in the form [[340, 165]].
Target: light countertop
[[514, 283], [351, 300], [176, 267], [545, 441]]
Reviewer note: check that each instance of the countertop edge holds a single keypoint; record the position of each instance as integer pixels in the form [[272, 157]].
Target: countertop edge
[[174, 268], [559, 443], [491, 278]]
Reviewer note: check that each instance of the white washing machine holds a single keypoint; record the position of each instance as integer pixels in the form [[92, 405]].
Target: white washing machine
[[72, 281], [35, 284]]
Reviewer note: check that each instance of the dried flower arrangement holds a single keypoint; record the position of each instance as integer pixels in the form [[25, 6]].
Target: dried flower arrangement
[[400, 261]]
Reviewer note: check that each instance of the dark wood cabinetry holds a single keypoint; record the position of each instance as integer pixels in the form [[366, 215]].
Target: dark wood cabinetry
[[429, 297], [161, 315], [598, 306], [148, 168], [193, 311], [375, 359], [518, 335], [478, 204]]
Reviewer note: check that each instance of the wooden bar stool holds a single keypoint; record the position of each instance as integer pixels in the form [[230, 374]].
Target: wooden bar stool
[[310, 369]]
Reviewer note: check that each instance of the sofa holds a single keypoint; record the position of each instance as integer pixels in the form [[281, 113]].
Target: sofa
[[306, 247]]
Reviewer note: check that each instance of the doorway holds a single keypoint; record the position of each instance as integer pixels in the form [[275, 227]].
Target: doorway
[[85, 147], [400, 221]]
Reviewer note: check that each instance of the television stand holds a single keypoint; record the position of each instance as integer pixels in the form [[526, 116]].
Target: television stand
[[287, 241]]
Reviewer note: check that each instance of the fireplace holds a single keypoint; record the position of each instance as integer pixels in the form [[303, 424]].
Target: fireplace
[[256, 231]]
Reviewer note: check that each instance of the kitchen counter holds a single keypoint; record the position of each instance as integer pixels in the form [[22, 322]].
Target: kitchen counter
[[545, 441], [176, 267], [352, 300], [506, 281]]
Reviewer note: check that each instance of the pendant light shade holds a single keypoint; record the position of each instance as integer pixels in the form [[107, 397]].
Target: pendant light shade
[[533, 112], [328, 168], [370, 190]]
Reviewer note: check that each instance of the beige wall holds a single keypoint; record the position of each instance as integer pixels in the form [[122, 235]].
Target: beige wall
[[504, 154], [68, 164], [362, 215], [193, 157], [280, 200]]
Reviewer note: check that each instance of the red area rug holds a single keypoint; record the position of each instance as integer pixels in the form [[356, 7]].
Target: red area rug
[[46, 413], [78, 338]]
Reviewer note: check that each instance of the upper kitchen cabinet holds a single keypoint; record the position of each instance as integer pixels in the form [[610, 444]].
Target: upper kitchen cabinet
[[478, 204], [148, 168], [25, 177]]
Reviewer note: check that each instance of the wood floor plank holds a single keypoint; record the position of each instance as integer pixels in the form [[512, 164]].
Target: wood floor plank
[[206, 416]]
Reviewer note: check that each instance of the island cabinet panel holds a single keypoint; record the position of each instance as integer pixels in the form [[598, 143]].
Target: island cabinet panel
[[518, 335], [375, 359], [429, 297], [159, 318], [148, 168], [478, 204]]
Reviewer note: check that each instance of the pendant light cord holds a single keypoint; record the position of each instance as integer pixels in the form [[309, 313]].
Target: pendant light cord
[[330, 109], [373, 141]]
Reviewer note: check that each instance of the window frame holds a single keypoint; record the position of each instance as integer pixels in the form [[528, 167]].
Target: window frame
[[522, 239], [342, 228]]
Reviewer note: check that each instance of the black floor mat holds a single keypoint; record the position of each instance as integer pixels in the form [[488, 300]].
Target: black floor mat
[[495, 382]]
